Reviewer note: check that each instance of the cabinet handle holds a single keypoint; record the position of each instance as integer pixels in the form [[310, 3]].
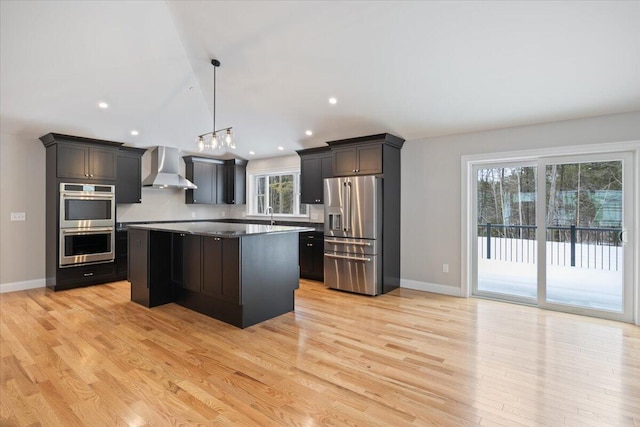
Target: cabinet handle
[[88, 274], [353, 170], [86, 174], [91, 175], [194, 200], [216, 238]]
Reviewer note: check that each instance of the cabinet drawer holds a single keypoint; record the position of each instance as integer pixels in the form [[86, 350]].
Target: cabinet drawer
[[87, 274]]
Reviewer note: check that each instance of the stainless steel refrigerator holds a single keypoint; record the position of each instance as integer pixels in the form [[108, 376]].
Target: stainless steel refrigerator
[[353, 234]]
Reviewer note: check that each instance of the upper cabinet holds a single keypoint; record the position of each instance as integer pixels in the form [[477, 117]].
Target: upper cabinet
[[236, 182], [85, 159], [208, 175], [316, 164], [367, 155], [129, 178], [363, 159], [218, 181]]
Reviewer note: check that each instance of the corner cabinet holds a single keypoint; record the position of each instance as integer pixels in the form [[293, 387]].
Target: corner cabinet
[[129, 178], [219, 181], [316, 164]]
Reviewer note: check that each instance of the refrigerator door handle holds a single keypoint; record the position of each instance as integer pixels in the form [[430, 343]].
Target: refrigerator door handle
[[347, 257], [340, 242], [347, 206]]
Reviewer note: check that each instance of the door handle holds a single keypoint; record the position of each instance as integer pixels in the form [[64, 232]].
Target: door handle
[[338, 242], [621, 235]]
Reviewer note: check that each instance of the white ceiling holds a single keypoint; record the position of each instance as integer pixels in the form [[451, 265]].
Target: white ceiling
[[414, 69]]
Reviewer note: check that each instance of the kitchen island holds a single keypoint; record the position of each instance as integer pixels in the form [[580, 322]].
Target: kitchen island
[[241, 274]]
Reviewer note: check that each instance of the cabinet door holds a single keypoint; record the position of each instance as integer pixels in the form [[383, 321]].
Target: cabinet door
[[212, 266], [192, 262], [236, 185], [138, 255], [318, 257], [72, 161], [369, 159], [102, 163], [221, 178], [128, 183], [306, 254], [344, 161], [203, 175], [310, 179], [231, 270]]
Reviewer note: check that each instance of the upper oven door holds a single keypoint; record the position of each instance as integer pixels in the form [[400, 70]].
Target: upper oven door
[[82, 209]]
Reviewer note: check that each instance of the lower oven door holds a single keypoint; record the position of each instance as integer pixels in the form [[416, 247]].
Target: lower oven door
[[353, 273], [86, 245]]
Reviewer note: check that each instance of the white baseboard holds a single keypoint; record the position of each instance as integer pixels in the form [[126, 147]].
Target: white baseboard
[[430, 287], [22, 286]]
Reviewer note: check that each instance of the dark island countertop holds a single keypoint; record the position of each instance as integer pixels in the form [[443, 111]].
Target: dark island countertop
[[219, 229]]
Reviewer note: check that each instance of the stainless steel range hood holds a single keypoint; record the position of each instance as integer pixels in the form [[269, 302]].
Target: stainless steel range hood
[[165, 167]]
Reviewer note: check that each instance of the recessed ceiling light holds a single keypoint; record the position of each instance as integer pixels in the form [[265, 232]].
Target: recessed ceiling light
[[103, 104], [135, 132], [251, 153], [280, 148], [332, 100], [309, 133]]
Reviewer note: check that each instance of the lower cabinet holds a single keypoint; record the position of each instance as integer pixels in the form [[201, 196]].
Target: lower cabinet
[[149, 267], [312, 255], [85, 275], [122, 260], [221, 268]]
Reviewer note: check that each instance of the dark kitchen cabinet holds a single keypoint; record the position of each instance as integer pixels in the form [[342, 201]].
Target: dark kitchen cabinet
[[236, 182], [218, 181], [80, 161], [74, 159], [149, 260], [311, 255], [363, 159], [221, 268], [192, 262], [316, 164], [122, 259], [377, 155], [208, 175], [207, 265], [129, 175]]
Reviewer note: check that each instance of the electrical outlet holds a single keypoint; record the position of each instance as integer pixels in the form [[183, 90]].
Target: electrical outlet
[[314, 216], [193, 214], [445, 268], [223, 214], [18, 216]]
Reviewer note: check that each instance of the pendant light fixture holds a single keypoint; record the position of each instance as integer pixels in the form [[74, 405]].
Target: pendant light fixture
[[216, 139]]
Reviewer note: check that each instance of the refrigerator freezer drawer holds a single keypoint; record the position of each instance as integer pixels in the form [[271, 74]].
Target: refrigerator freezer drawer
[[353, 273]]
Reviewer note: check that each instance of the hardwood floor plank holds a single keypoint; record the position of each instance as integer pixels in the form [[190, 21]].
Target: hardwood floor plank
[[91, 357]]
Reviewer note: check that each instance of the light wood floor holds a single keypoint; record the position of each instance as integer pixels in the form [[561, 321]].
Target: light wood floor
[[90, 357]]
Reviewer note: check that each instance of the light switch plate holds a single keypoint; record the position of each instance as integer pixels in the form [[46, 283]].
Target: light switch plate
[[18, 216]]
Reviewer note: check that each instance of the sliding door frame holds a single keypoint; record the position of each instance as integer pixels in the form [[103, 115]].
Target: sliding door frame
[[468, 213]]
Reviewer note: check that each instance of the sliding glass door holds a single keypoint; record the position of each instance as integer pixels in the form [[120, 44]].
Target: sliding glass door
[[554, 232]]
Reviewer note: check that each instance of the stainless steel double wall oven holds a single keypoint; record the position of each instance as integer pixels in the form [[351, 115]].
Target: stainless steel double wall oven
[[87, 224]]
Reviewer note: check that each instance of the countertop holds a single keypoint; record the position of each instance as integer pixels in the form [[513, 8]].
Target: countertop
[[317, 227], [219, 229]]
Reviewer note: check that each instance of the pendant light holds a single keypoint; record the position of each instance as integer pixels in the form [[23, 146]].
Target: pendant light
[[219, 139]]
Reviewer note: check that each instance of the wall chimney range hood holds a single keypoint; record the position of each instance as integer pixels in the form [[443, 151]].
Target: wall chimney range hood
[[165, 167]]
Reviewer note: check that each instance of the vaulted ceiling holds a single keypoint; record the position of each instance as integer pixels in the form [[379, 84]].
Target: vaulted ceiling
[[415, 69]]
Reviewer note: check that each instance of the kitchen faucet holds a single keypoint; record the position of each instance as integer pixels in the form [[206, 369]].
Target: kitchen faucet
[[270, 211]]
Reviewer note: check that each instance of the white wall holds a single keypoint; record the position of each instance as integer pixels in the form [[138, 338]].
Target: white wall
[[431, 188], [22, 183]]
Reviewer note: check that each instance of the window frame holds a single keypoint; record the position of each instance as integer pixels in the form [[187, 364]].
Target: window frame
[[253, 194]]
